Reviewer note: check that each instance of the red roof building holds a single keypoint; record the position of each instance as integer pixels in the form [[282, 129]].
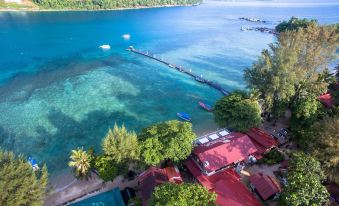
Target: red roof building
[[265, 185], [222, 153], [226, 184], [263, 141], [327, 100], [153, 177]]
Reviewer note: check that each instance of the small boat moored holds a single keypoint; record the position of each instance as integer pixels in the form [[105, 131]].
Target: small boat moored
[[184, 116], [105, 47], [206, 106], [33, 163]]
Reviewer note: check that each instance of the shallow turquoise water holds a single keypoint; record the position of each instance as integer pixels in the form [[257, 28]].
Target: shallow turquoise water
[[58, 90]]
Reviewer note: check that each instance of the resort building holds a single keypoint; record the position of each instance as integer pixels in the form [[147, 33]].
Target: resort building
[[266, 186], [223, 152], [226, 184], [262, 141], [153, 177], [212, 161]]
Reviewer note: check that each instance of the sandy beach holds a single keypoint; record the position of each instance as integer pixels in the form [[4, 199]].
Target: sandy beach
[[77, 190]]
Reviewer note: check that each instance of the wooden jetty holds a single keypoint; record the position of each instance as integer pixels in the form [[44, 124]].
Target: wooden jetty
[[183, 70]]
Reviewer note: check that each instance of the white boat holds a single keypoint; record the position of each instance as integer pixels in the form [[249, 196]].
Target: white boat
[[126, 36], [105, 47]]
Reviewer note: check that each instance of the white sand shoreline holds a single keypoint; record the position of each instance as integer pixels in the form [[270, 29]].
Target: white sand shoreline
[[81, 189]]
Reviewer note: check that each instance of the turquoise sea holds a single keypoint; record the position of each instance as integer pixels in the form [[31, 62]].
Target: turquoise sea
[[59, 90]]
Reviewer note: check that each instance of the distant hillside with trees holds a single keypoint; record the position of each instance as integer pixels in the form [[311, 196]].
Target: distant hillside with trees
[[109, 4]]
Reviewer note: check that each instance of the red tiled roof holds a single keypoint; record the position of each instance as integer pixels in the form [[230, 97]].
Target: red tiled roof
[[231, 192], [327, 100], [262, 140], [192, 167], [265, 185], [226, 184], [173, 174], [153, 177], [221, 154]]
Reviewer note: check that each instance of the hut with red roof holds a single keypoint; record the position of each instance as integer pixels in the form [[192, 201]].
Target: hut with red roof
[[266, 186], [153, 177], [263, 141]]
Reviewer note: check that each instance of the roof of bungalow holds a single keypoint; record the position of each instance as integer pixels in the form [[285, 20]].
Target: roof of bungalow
[[263, 141], [231, 192], [153, 177], [327, 100], [265, 185], [226, 184], [217, 154]]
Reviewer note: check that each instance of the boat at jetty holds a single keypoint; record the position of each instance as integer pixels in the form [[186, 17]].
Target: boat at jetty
[[206, 106], [252, 19], [245, 28], [184, 116], [261, 29]]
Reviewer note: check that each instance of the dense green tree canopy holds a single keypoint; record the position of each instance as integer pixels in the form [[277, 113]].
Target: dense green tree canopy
[[19, 185], [237, 111], [304, 183], [306, 107], [293, 24], [167, 140], [325, 145], [121, 145], [108, 4], [185, 194], [108, 169], [294, 67], [80, 161]]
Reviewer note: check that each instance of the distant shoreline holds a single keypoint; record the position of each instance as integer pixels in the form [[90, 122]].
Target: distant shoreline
[[91, 10]]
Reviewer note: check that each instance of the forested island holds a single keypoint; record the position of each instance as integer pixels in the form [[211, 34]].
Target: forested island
[[108, 4]]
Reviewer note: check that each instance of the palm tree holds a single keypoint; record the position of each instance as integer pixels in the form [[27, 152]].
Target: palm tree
[[80, 160]]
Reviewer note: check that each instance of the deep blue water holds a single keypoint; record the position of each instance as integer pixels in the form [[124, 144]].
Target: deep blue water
[[58, 90]]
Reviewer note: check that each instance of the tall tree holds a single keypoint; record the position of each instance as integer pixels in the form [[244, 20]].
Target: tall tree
[[80, 161], [19, 185], [326, 146], [167, 140], [186, 194], [238, 111], [293, 24], [121, 145], [294, 67], [304, 183]]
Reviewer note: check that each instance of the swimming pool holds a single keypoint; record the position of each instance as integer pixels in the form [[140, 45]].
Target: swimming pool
[[110, 198]]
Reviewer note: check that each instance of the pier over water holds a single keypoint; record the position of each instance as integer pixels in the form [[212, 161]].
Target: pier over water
[[183, 70]]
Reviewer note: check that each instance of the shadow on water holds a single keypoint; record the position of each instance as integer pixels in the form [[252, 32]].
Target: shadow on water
[[54, 147]]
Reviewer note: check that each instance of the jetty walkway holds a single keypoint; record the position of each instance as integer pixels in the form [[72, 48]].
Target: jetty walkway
[[183, 70]]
